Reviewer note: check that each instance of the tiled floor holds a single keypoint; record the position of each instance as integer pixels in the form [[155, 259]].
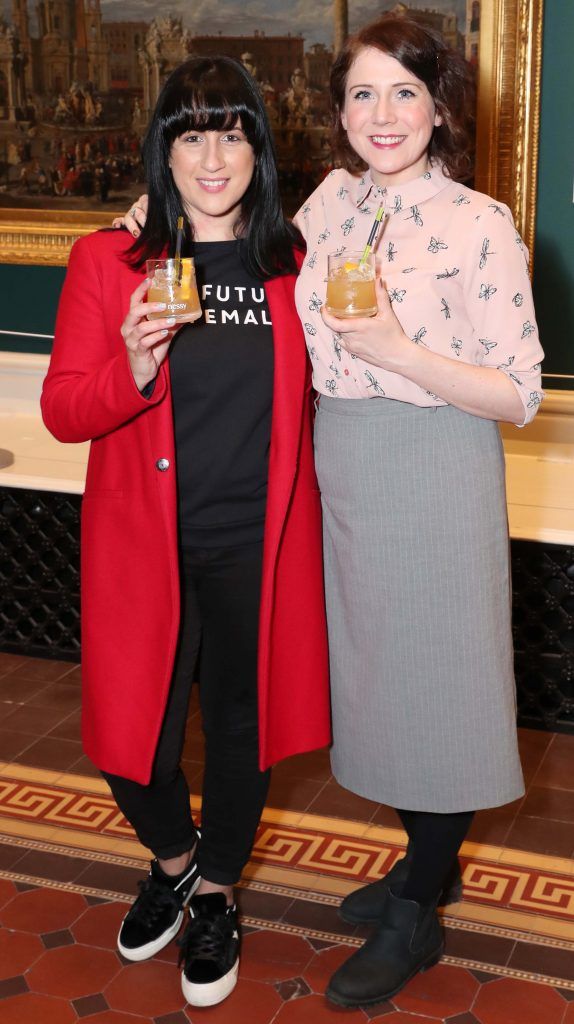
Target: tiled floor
[[69, 865]]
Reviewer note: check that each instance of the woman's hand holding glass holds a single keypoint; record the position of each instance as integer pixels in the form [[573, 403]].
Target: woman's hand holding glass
[[147, 341], [378, 339]]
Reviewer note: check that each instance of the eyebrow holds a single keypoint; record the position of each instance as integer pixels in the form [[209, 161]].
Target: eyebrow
[[369, 85]]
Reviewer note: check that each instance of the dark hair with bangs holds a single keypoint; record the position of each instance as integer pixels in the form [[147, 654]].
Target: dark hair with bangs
[[213, 94], [447, 76]]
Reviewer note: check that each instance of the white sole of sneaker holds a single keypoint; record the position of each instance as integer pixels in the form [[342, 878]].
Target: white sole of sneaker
[[151, 948], [213, 993]]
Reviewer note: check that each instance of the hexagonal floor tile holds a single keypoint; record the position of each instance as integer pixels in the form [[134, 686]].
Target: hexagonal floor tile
[[152, 988], [274, 956], [31, 1008], [99, 926], [444, 991], [73, 971], [42, 910], [18, 950], [316, 1010], [7, 891], [510, 1001]]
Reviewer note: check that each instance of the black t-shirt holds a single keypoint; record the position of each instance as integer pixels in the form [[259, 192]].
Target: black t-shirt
[[222, 385]]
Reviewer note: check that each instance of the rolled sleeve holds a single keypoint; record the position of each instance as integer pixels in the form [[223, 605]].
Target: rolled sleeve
[[501, 308]]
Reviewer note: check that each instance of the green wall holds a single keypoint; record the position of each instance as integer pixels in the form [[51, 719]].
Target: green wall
[[31, 293], [29, 303], [554, 247]]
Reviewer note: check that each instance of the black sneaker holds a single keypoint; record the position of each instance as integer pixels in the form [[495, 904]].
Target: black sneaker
[[209, 950], [155, 917]]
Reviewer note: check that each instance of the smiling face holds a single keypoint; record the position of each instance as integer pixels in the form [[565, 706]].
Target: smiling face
[[212, 171], [389, 116]]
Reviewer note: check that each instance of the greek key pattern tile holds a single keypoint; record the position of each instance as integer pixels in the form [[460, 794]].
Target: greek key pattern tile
[[62, 809]]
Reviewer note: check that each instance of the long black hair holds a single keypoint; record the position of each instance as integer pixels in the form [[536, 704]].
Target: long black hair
[[213, 94]]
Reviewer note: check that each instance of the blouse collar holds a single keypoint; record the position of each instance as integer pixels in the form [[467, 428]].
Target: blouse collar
[[402, 196]]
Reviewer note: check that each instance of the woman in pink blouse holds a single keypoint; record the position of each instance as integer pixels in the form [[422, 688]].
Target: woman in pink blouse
[[411, 471]]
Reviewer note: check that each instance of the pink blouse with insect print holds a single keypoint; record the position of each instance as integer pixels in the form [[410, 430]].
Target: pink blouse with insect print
[[456, 272]]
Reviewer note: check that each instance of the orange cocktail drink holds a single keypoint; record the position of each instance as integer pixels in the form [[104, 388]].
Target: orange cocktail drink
[[173, 282], [351, 285]]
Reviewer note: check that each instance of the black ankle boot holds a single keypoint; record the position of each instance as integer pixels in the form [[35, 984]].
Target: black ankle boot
[[408, 940], [365, 905]]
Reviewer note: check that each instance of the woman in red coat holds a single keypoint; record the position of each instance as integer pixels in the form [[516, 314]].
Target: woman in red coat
[[201, 517]]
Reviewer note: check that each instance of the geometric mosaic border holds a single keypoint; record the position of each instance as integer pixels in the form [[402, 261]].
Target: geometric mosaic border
[[328, 852]]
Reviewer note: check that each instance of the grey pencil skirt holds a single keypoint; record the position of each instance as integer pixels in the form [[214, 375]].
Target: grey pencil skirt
[[418, 605]]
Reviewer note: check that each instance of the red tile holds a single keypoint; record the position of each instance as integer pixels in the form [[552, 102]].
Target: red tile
[[115, 1017], [251, 1001], [99, 926], [56, 755], [509, 1001], [335, 801], [324, 964], [273, 956], [556, 767], [170, 953], [316, 1010], [443, 991], [293, 793], [30, 1008], [7, 891], [538, 835], [14, 743], [403, 1018], [18, 691], [8, 662], [45, 670], [544, 802], [18, 950], [152, 988], [38, 721], [64, 696], [42, 910], [73, 971], [68, 728]]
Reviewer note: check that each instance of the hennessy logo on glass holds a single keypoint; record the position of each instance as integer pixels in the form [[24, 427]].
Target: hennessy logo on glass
[[173, 282]]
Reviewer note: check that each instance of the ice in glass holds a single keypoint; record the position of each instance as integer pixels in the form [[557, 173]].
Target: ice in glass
[[351, 285], [173, 282]]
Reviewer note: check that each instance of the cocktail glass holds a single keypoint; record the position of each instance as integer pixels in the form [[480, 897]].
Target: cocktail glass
[[351, 285], [173, 282]]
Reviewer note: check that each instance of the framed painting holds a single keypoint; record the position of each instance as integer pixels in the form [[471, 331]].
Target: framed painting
[[71, 127]]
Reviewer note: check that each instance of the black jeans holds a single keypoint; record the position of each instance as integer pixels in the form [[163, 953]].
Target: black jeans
[[220, 611]]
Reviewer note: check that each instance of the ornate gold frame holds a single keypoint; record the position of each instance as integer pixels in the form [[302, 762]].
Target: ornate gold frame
[[509, 107], [507, 139]]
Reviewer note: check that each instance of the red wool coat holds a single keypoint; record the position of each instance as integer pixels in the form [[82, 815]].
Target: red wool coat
[[129, 563]]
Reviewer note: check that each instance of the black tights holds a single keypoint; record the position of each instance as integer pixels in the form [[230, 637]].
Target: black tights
[[434, 842]]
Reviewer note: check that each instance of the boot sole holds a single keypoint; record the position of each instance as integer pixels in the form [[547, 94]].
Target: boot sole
[[350, 1003]]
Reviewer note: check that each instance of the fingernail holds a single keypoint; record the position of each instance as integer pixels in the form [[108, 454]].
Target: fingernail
[[165, 332], [135, 233], [170, 320], [160, 305]]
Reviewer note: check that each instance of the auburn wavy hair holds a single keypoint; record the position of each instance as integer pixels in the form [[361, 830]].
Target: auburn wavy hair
[[446, 74]]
